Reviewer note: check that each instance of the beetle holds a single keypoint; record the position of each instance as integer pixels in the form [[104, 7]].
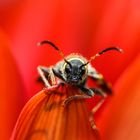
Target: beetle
[[75, 70]]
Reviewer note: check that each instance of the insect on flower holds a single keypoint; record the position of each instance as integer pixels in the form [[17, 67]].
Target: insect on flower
[[75, 70]]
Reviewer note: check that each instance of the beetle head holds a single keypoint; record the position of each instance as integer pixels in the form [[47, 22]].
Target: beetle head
[[74, 71]]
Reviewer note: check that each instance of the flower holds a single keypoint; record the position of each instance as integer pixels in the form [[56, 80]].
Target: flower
[[45, 117], [122, 117], [75, 26], [10, 89]]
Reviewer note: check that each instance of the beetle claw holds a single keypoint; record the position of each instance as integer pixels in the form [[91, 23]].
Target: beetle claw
[[65, 102]]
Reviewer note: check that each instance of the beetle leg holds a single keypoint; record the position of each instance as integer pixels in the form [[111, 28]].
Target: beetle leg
[[98, 105], [99, 79], [103, 95], [50, 75], [69, 99], [89, 94], [41, 72]]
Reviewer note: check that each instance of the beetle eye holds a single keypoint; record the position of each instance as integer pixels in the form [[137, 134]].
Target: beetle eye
[[67, 69], [82, 71]]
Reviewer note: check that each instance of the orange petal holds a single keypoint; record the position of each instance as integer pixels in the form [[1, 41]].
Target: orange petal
[[122, 119], [44, 117], [11, 97]]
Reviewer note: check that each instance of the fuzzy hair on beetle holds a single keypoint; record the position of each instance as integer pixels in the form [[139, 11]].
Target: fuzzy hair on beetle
[[75, 70]]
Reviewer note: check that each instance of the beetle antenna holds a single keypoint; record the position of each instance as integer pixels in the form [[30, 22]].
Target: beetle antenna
[[102, 52], [55, 47]]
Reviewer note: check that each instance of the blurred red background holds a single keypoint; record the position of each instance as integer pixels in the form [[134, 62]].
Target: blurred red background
[[83, 26]]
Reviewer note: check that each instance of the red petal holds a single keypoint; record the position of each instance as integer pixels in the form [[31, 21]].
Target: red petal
[[11, 91], [122, 119], [103, 23]]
